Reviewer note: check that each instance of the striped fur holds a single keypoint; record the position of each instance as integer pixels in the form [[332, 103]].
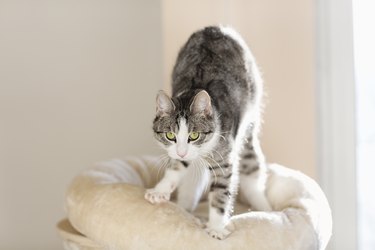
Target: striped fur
[[216, 91]]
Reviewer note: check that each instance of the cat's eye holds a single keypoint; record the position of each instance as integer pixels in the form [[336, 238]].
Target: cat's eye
[[170, 136], [194, 136]]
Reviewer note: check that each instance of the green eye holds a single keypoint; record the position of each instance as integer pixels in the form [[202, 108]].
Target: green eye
[[170, 136], [194, 136]]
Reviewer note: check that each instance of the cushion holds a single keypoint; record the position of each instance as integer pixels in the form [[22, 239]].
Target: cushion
[[106, 210]]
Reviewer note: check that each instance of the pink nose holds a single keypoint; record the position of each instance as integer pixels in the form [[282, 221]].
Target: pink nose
[[181, 154]]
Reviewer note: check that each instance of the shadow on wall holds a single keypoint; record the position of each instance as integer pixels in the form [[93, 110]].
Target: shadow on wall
[[77, 85]]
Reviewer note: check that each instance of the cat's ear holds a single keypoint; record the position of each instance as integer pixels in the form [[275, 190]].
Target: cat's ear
[[201, 104], [164, 104]]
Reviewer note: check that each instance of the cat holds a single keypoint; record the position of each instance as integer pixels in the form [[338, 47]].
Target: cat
[[212, 122]]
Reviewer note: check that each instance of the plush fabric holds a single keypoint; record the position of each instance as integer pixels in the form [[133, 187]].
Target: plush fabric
[[106, 207]]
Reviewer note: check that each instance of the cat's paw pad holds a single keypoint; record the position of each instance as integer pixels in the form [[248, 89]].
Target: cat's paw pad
[[155, 197], [218, 233]]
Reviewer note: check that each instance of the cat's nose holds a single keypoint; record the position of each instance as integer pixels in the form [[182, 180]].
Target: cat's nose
[[181, 154]]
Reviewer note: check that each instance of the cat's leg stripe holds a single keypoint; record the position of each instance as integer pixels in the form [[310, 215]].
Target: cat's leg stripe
[[221, 210], [227, 193], [248, 171], [218, 185], [249, 155], [224, 166]]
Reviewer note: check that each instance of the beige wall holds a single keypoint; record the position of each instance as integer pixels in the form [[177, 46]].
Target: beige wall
[[281, 35], [78, 81], [77, 85]]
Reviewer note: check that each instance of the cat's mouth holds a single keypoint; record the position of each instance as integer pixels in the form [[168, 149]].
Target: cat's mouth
[[186, 158]]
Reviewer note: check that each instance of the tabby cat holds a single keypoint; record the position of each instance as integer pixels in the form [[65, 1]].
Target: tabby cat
[[212, 122]]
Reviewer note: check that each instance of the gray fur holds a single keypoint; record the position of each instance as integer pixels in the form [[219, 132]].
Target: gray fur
[[216, 62]]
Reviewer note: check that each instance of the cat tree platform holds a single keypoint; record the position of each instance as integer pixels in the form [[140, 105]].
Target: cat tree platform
[[106, 209]]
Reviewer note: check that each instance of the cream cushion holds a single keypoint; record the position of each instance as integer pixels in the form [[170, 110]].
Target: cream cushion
[[106, 210]]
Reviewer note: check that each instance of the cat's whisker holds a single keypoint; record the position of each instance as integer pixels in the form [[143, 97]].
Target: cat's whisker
[[211, 158], [206, 185], [164, 164], [201, 166], [205, 169], [199, 171], [222, 135], [212, 170], [157, 162], [218, 154], [196, 171]]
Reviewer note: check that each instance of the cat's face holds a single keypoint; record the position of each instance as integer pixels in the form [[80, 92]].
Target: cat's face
[[186, 130]]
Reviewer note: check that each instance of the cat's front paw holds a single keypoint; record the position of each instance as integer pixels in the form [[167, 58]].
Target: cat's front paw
[[155, 197], [218, 233]]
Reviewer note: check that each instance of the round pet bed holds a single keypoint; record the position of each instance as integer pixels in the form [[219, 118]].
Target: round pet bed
[[107, 210]]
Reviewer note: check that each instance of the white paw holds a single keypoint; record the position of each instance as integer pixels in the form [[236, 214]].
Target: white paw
[[218, 233], [155, 197]]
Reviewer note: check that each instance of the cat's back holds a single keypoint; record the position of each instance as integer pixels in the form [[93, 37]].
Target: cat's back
[[211, 54]]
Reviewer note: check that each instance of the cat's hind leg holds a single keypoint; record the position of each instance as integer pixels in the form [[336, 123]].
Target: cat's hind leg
[[252, 189], [253, 176]]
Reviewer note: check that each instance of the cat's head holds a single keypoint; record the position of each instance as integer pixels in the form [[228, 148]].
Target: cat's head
[[185, 126]]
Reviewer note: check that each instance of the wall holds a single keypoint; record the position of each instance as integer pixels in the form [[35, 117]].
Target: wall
[[281, 36], [77, 85]]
